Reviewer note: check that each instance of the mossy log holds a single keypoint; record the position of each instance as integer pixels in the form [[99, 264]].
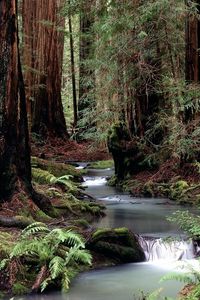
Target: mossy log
[[119, 244], [17, 221], [55, 168]]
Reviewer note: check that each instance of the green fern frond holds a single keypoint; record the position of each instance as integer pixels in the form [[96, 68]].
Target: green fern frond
[[154, 295], [185, 278], [68, 237], [4, 263], [65, 281], [21, 248], [80, 256], [33, 229], [56, 266], [45, 283], [42, 176], [33, 248], [66, 182]]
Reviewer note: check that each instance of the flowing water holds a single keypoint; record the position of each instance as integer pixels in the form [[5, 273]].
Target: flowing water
[[146, 217]]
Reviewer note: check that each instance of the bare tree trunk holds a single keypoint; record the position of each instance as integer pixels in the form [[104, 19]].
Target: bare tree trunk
[[15, 167], [14, 157], [43, 56], [73, 69], [86, 74]]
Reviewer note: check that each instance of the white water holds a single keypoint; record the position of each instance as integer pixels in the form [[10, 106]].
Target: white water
[[168, 250], [148, 218]]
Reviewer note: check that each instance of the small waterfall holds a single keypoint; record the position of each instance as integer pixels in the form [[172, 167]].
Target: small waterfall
[[160, 249], [94, 181]]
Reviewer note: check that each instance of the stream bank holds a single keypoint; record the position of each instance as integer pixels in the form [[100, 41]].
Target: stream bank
[[125, 211]]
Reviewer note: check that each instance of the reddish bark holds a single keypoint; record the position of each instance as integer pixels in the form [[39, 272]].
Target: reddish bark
[[43, 54]]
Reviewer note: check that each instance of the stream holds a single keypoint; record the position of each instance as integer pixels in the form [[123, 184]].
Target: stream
[[147, 218]]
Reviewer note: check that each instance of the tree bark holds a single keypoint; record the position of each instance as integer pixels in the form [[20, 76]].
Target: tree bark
[[15, 167], [73, 70], [43, 56], [14, 149], [86, 74]]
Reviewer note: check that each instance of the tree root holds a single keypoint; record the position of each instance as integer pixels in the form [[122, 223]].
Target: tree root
[[18, 221]]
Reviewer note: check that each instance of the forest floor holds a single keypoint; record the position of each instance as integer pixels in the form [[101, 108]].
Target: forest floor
[[171, 181], [68, 150]]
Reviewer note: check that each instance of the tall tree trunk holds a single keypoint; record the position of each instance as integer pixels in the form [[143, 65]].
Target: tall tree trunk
[[43, 55], [192, 72], [192, 58], [73, 69], [86, 74], [14, 149], [15, 167]]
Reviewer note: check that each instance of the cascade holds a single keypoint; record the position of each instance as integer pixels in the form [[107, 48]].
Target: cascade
[[160, 249]]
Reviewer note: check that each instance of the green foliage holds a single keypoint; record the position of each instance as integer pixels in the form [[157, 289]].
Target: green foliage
[[194, 293], [190, 223], [187, 221], [60, 250], [44, 177]]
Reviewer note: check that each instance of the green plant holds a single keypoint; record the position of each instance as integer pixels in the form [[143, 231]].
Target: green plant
[[187, 221], [190, 223], [57, 254]]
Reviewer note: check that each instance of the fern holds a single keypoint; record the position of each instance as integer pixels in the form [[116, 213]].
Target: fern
[[33, 229], [56, 266], [65, 180], [46, 247], [4, 263], [81, 256], [187, 221], [185, 278], [65, 280], [68, 237]]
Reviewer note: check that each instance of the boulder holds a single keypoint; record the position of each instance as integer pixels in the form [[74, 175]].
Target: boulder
[[119, 244]]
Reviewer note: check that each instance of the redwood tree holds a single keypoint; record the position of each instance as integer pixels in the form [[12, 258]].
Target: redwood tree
[[86, 74], [42, 58], [15, 168]]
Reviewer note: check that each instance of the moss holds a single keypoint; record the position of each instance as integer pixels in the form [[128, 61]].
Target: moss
[[100, 232], [19, 289], [102, 164], [6, 244], [42, 176], [92, 208], [112, 181], [121, 230], [148, 189], [81, 223], [56, 169], [118, 243], [178, 189], [41, 216]]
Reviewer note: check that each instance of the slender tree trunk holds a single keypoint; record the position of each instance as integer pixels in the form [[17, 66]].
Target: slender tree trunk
[[43, 56], [192, 50], [73, 69], [86, 101]]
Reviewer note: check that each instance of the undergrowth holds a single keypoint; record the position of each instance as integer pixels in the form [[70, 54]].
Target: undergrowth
[[53, 256]]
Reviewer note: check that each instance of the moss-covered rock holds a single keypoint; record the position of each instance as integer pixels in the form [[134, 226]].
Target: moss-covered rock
[[119, 244]]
